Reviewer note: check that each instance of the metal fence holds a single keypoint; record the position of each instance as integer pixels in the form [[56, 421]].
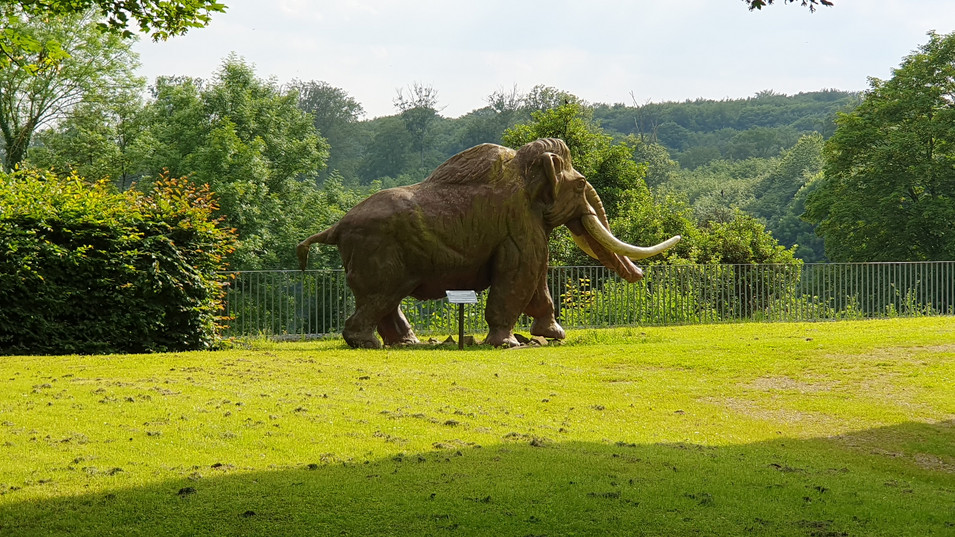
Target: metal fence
[[318, 302]]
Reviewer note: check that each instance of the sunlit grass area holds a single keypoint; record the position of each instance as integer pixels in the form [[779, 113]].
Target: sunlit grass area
[[820, 429]]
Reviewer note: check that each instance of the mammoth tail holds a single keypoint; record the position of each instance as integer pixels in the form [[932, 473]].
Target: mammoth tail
[[325, 237]]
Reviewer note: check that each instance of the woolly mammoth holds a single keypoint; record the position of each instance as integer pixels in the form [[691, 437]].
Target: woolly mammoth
[[480, 220]]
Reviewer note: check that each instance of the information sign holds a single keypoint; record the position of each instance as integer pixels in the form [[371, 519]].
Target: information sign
[[461, 297]]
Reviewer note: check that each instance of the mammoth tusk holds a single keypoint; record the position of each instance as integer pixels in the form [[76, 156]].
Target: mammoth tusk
[[582, 244], [594, 200], [608, 241]]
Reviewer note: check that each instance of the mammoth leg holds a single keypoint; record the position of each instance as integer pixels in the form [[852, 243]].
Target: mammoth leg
[[512, 289], [541, 308], [359, 331], [378, 283], [396, 330], [501, 317]]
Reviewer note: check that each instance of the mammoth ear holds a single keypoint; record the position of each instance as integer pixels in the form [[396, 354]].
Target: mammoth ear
[[548, 167]]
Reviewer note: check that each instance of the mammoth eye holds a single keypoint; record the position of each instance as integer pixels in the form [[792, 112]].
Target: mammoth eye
[[579, 186]]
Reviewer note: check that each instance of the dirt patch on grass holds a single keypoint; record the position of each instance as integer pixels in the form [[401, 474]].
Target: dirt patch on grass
[[927, 461], [752, 409], [788, 384]]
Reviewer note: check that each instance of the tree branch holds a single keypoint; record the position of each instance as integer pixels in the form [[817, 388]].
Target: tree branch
[[760, 4]]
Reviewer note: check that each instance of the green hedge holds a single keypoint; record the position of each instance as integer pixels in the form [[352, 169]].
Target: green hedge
[[87, 269]]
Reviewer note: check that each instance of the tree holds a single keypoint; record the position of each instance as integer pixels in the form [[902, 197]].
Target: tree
[[889, 181], [542, 98], [779, 196], [418, 109], [160, 19], [236, 126], [99, 67], [388, 152], [700, 131], [761, 142], [716, 189], [792, 229], [741, 240], [760, 4], [335, 115], [250, 142], [661, 169], [487, 125], [506, 102], [99, 140], [176, 120]]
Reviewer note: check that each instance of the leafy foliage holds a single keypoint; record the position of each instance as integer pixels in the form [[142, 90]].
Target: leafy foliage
[[774, 190], [389, 151], [99, 140], [99, 69], [700, 131], [779, 197], [248, 140], [760, 4], [87, 269], [335, 115], [889, 186], [159, 18], [741, 240]]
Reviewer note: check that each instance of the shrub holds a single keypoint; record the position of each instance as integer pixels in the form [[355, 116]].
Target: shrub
[[88, 269]]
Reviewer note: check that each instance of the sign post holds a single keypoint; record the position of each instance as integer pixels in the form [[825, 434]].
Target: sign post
[[461, 298]]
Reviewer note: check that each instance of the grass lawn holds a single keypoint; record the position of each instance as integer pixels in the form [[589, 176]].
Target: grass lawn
[[816, 430]]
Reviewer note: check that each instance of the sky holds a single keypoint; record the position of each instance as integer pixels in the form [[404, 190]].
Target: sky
[[602, 51]]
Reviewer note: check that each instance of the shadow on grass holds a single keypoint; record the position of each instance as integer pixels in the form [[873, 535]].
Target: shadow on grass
[[897, 480]]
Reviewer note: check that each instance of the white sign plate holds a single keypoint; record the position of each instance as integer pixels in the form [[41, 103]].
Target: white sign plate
[[462, 297]]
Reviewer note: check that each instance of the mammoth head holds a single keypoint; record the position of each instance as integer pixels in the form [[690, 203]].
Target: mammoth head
[[572, 201]]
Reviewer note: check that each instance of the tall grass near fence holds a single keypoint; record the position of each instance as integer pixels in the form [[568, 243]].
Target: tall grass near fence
[[318, 302]]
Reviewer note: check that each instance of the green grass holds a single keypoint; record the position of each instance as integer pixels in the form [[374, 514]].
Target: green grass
[[826, 429]]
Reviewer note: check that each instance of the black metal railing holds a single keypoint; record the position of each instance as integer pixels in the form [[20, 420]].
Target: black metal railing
[[318, 301]]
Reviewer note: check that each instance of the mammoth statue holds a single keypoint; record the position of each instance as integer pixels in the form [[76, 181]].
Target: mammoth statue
[[480, 220]]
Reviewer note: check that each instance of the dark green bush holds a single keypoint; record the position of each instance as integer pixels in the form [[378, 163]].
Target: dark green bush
[[87, 269]]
